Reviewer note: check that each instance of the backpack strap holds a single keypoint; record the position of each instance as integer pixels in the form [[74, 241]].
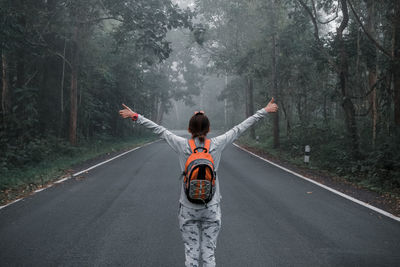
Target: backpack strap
[[192, 144], [193, 147], [207, 143]]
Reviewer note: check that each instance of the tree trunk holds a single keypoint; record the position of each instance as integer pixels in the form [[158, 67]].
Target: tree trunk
[[299, 110], [21, 56], [177, 112], [20, 69], [372, 80], [342, 71], [61, 125], [372, 68], [275, 89], [306, 115], [160, 114], [396, 98], [347, 104], [396, 64], [5, 94], [286, 112], [250, 103], [388, 99], [74, 87], [154, 110], [325, 112]]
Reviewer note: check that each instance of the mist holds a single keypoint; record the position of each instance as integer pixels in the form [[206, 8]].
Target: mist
[[332, 67]]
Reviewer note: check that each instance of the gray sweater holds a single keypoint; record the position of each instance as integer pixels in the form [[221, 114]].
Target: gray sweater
[[181, 146]]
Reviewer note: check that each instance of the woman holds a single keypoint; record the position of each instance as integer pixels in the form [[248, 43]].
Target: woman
[[199, 223]]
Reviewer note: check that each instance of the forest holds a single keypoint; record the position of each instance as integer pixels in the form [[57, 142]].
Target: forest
[[332, 66]]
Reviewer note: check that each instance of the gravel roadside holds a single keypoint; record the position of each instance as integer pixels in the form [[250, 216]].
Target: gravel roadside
[[384, 201]]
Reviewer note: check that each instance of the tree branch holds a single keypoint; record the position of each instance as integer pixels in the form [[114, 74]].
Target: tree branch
[[316, 35], [313, 19], [378, 45], [61, 56], [364, 114], [332, 19], [345, 20], [316, 14], [101, 19], [374, 86], [30, 78]]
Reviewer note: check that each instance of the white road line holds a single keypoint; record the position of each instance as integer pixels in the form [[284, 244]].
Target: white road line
[[1, 207], [325, 187], [39, 190], [62, 180], [120, 155], [78, 173]]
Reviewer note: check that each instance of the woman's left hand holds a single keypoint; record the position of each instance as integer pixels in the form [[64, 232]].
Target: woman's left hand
[[126, 112]]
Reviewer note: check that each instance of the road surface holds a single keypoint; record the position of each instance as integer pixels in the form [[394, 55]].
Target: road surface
[[124, 213]]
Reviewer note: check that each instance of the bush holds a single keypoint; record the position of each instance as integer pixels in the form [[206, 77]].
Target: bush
[[378, 167]]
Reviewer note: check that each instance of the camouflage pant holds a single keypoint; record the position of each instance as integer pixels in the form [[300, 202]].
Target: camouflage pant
[[200, 228]]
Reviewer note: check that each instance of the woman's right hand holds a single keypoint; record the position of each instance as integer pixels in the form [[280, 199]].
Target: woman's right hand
[[127, 112]]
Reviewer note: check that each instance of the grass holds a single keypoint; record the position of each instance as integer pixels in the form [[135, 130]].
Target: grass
[[267, 147], [316, 164], [18, 182]]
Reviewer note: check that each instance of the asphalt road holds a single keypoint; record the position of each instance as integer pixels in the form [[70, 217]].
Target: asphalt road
[[124, 213]]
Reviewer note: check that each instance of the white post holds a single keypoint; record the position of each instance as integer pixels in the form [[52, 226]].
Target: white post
[[307, 150]]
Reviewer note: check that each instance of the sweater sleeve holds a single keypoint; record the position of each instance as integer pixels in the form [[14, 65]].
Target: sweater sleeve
[[177, 143], [231, 135]]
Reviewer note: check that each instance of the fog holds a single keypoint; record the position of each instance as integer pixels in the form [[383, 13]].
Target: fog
[[332, 67]]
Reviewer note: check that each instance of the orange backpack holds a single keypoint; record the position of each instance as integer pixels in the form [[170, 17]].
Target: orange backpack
[[199, 174]]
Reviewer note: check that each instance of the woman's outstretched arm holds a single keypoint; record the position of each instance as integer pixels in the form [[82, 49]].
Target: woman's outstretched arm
[[177, 143], [236, 131]]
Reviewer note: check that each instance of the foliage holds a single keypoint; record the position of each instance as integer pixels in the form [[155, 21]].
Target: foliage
[[338, 91], [38, 173], [323, 84], [119, 50]]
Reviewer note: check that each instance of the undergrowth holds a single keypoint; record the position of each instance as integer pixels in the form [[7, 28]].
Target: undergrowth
[[51, 159], [377, 168]]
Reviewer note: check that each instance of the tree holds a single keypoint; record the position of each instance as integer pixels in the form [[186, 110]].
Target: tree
[[341, 68], [143, 21], [98, 48]]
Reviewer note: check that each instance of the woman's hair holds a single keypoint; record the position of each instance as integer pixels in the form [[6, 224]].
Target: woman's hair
[[199, 126]]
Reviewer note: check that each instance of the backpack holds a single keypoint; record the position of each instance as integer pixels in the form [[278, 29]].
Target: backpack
[[199, 174]]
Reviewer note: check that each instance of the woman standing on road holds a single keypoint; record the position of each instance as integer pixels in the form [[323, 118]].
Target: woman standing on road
[[199, 222]]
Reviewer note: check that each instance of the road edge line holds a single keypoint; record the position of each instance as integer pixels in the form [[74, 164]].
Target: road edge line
[[108, 160], [362, 203], [77, 173]]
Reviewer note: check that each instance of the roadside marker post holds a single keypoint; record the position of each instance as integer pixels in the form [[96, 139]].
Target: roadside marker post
[[307, 150], [362, 203]]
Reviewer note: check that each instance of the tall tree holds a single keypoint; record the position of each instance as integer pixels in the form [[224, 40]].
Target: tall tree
[[274, 70], [5, 94], [250, 102], [396, 61], [342, 69], [372, 67]]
